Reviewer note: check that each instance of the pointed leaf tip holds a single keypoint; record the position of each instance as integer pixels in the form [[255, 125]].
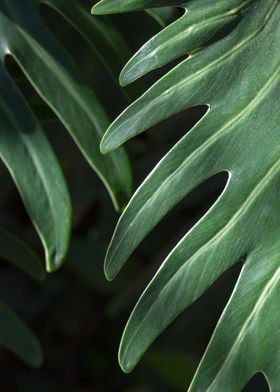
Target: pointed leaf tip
[[105, 145], [125, 77], [100, 9], [110, 273], [126, 366], [110, 277], [103, 149]]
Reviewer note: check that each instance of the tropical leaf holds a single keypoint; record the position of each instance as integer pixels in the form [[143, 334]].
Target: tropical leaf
[[24, 148], [237, 77], [58, 80], [27, 154], [17, 337], [199, 23], [101, 34]]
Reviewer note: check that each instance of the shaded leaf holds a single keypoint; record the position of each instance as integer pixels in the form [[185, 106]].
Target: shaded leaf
[[28, 156], [17, 337], [100, 34], [20, 255], [63, 88], [60, 83]]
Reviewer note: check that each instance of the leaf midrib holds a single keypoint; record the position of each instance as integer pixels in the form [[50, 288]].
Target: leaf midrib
[[43, 54], [200, 149], [201, 71], [184, 33], [43, 181], [248, 202], [267, 291]]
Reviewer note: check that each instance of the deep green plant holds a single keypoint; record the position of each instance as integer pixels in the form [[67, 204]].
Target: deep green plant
[[237, 77], [24, 148]]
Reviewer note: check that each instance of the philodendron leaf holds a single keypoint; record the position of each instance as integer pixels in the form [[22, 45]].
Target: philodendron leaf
[[58, 80], [199, 23], [17, 337], [117, 6], [100, 34], [238, 78], [194, 29], [61, 84], [28, 156], [20, 255]]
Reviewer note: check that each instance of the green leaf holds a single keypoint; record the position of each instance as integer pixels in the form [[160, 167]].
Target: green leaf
[[194, 29], [63, 88], [60, 83], [117, 6], [100, 34], [247, 336], [20, 255], [24, 148], [238, 78], [28, 156], [17, 337]]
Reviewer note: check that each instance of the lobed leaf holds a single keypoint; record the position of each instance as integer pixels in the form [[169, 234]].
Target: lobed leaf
[[238, 78], [58, 80], [28, 156], [25, 149], [200, 22], [101, 34]]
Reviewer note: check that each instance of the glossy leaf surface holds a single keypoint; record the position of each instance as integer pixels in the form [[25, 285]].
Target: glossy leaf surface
[[238, 78]]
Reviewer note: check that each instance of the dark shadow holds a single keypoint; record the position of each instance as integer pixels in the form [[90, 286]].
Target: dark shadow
[[42, 112], [257, 384], [89, 61]]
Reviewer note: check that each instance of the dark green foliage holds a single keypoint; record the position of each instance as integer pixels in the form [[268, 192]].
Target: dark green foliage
[[41, 59]]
